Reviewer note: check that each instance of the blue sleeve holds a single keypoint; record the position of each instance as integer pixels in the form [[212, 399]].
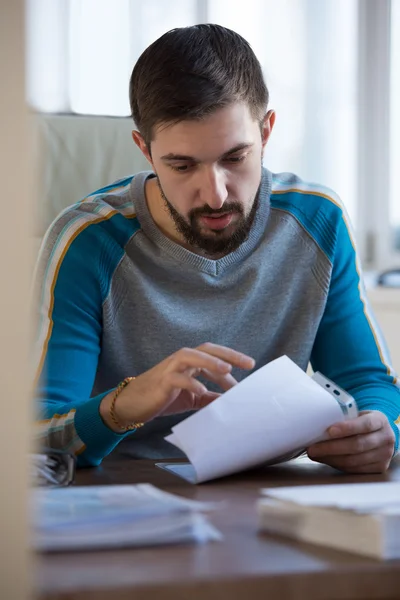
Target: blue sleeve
[[74, 275], [349, 347]]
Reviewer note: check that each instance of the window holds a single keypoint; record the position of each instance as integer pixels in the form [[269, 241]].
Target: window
[[395, 127], [329, 65], [312, 80], [80, 54]]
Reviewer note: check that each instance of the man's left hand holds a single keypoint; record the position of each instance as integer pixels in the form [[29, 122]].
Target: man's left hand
[[362, 445]]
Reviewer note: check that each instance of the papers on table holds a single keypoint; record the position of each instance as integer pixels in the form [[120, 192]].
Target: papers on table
[[272, 415], [91, 517], [363, 517], [358, 497]]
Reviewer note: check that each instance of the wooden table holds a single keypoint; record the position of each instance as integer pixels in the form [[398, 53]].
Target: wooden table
[[245, 565]]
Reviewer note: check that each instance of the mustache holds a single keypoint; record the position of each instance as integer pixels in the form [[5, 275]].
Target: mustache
[[207, 210]]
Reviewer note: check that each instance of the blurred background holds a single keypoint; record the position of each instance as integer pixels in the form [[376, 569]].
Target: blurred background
[[332, 68], [333, 71]]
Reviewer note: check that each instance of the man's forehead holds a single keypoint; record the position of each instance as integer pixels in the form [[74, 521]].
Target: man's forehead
[[217, 134]]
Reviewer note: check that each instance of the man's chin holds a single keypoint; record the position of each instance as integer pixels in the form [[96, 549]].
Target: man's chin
[[211, 233], [214, 244]]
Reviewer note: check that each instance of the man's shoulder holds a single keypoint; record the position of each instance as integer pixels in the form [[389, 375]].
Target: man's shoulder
[[100, 224], [114, 193], [290, 192], [114, 198], [110, 208], [316, 208]]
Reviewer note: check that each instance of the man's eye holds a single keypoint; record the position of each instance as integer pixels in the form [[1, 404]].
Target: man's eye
[[180, 168], [235, 159]]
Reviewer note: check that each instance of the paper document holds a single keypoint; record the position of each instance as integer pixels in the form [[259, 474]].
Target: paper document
[[359, 497], [362, 518], [272, 415], [91, 517]]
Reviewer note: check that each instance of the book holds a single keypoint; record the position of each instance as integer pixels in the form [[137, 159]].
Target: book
[[273, 415], [115, 516], [361, 518]]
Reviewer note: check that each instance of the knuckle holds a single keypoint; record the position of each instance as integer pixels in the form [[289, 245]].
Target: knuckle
[[382, 467], [171, 358], [388, 463], [205, 346], [351, 462], [179, 356], [360, 444], [389, 438], [381, 417], [184, 350], [388, 451], [369, 424]]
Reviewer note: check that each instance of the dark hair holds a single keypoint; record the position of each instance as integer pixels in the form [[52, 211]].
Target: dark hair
[[190, 72]]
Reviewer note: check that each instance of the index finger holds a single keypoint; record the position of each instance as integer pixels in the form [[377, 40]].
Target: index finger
[[236, 359], [366, 423]]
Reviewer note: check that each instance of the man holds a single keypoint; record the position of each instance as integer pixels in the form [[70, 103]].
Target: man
[[165, 288]]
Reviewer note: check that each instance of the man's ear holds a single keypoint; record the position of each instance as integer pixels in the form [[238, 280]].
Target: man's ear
[[267, 126], [141, 144]]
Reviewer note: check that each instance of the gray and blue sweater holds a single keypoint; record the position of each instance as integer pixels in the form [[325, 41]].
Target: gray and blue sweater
[[116, 297]]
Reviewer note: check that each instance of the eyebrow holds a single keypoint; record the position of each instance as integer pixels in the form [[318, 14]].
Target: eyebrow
[[237, 148]]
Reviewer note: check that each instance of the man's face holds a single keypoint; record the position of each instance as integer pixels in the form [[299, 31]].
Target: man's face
[[209, 173]]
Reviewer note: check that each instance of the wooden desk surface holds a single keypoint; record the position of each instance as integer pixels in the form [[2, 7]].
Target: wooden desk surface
[[245, 564]]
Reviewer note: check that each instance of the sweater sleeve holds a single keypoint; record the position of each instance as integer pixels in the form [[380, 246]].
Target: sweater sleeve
[[349, 346], [73, 278]]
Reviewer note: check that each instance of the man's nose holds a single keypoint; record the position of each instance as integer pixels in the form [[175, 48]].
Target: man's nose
[[213, 188]]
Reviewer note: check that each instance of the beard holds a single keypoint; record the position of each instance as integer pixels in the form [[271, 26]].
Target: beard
[[218, 242]]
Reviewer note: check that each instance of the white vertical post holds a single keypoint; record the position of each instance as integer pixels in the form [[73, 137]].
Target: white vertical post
[[202, 11], [374, 131]]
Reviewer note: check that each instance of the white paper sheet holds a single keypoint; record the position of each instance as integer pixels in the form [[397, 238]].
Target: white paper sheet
[[113, 516], [276, 411], [360, 497]]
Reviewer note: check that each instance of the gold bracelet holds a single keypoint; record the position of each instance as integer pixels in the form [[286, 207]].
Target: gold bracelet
[[114, 419]]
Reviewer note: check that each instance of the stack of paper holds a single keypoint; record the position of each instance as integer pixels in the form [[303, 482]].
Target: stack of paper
[[91, 517], [272, 415], [363, 518]]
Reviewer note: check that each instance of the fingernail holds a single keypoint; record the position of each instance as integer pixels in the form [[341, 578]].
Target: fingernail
[[224, 367], [249, 361], [334, 432]]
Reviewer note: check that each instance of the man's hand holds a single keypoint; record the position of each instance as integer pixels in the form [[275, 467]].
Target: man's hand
[[362, 445], [172, 386]]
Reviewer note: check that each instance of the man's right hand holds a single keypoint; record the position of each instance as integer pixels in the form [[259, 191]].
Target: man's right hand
[[171, 386]]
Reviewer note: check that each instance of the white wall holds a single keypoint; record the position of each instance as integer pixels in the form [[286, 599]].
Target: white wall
[[15, 177], [386, 305]]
